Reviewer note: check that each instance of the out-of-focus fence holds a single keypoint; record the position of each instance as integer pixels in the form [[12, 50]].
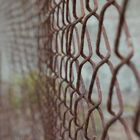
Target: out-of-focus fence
[[62, 47], [20, 34]]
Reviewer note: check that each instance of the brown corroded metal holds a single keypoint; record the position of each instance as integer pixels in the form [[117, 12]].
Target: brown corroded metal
[[70, 109]]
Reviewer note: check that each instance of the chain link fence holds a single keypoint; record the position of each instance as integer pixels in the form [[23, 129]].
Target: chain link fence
[[75, 59]]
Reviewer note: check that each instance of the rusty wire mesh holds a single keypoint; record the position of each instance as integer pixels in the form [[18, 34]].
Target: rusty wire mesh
[[65, 48], [68, 45]]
